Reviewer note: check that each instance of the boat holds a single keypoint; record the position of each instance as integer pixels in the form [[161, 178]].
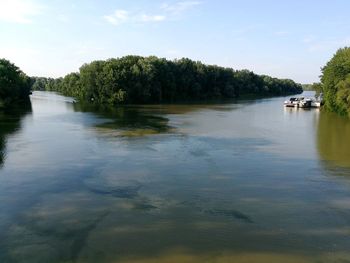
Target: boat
[[293, 102], [316, 104], [318, 101], [304, 103]]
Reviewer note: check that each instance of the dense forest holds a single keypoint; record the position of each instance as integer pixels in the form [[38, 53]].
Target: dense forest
[[335, 82], [14, 84], [136, 79]]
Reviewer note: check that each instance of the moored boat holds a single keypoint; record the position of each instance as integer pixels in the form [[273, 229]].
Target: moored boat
[[292, 102], [316, 104], [304, 102]]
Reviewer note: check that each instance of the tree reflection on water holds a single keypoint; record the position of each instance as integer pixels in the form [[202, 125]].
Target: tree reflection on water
[[333, 139], [10, 122]]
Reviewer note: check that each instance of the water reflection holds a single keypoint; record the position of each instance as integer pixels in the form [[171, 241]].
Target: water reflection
[[126, 121], [333, 139], [209, 185], [10, 122]]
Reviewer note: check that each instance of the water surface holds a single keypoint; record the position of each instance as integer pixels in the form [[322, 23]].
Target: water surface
[[247, 181]]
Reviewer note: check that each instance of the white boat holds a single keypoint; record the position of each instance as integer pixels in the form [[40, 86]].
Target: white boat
[[293, 102], [316, 104], [304, 103]]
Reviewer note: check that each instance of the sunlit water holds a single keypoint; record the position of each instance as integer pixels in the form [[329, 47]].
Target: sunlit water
[[242, 182]]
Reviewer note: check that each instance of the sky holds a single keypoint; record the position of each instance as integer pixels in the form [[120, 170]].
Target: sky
[[284, 39]]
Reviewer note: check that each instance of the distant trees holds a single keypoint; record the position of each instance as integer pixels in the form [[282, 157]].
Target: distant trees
[[307, 87], [335, 82], [41, 83], [316, 86], [14, 84], [136, 79]]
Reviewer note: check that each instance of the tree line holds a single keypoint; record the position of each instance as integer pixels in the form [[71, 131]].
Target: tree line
[[335, 82], [136, 79], [14, 84]]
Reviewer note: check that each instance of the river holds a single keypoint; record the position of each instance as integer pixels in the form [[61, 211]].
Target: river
[[246, 181]]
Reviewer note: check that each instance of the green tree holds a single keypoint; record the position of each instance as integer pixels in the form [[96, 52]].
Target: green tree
[[14, 84], [136, 79], [335, 79]]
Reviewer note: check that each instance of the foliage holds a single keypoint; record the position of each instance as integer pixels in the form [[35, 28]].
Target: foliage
[[14, 84], [307, 87], [41, 83], [343, 94], [135, 79], [316, 86], [335, 81]]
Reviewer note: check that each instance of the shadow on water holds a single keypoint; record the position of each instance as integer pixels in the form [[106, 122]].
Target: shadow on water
[[10, 122], [141, 120], [333, 140], [234, 214], [126, 120]]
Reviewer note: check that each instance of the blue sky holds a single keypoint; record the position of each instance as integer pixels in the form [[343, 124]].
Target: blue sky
[[286, 39]]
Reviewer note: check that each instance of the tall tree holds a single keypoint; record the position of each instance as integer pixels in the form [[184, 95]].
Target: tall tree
[[14, 84], [335, 82]]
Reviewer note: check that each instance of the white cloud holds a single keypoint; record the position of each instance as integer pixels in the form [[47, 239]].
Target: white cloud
[[180, 7], [167, 11], [18, 11], [122, 16], [152, 18], [118, 17]]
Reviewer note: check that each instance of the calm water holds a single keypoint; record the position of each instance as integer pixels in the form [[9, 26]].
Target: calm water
[[241, 182]]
